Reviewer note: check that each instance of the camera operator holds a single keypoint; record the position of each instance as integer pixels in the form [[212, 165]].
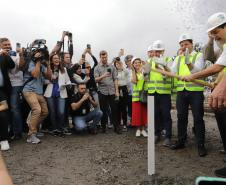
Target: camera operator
[[81, 110], [6, 63], [33, 93]]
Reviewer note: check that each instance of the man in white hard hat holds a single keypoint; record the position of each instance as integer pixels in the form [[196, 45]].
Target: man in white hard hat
[[150, 52], [189, 94], [216, 31], [159, 86]]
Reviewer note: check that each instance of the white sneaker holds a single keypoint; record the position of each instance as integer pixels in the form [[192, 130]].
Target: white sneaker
[[144, 133], [33, 139], [138, 133], [4, 145]]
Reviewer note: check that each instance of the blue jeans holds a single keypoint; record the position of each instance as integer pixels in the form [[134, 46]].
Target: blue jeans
[[15, 103], [80, 122], [56, 107]]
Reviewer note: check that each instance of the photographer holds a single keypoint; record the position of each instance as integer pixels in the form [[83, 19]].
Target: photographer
[[80, 109], [33, 92], [6, 63]]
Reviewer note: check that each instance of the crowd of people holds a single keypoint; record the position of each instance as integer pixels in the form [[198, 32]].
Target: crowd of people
[[48, 93]]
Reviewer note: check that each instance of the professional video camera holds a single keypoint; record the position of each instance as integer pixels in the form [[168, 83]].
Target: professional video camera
[[39, 45]]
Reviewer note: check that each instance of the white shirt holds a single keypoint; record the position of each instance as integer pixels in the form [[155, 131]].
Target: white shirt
[[198, 65], [63, 80], [222, 59]]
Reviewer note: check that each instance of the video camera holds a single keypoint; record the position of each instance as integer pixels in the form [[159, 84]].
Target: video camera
[[39, 45]]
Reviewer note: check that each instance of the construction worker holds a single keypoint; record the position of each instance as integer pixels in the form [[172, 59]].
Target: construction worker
[[216, 31], [151, 53], [159, 86], [189, 94]]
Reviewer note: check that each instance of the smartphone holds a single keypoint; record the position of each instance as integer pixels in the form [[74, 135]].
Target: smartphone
[[109, 70], [18, 45], [210, 181], [88, 46]]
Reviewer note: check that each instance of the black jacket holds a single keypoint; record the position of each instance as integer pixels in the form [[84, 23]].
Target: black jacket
[[6, 63]]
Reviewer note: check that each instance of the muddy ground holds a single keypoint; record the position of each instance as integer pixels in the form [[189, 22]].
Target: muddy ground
[[110, 159]]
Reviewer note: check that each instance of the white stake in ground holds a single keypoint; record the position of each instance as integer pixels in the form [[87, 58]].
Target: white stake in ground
[[151, 136]]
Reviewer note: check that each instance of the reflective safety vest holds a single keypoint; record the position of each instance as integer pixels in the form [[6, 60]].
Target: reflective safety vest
[[158, 83], [167, 59], [138, 87], [182, 70]]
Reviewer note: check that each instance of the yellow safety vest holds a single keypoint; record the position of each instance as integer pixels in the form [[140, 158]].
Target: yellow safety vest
[[158, 83], [137, 87], [182, 70]]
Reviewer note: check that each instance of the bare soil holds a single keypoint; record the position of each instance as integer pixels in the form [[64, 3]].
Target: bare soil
[[111, 159]]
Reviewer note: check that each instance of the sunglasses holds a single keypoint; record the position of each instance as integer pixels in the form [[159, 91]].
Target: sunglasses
[[88, 67]]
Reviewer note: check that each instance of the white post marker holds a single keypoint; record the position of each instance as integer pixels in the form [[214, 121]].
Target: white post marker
[[151, 136]]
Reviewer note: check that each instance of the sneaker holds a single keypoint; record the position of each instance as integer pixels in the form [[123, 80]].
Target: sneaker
[[163, 133], [110, 126], [144, 133], [202, 151], [40, 134], [167, 142], [67, 131], [33, 139], [4, 145], [221, 172], [124, 129], [138, 133]]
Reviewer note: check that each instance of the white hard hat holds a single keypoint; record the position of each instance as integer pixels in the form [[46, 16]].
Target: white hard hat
[[150, 48], [185, 36], [216, 20], [158, 45]]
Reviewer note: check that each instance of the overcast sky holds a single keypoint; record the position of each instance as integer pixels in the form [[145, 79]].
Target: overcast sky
[[107, 24]]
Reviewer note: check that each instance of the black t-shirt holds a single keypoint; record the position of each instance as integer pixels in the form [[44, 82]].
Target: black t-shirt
[[85, 107]]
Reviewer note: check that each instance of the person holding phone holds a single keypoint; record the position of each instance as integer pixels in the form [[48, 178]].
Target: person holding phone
[[81, 104], [106, 78], [17, 81], [56, 95], [6, 64]]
